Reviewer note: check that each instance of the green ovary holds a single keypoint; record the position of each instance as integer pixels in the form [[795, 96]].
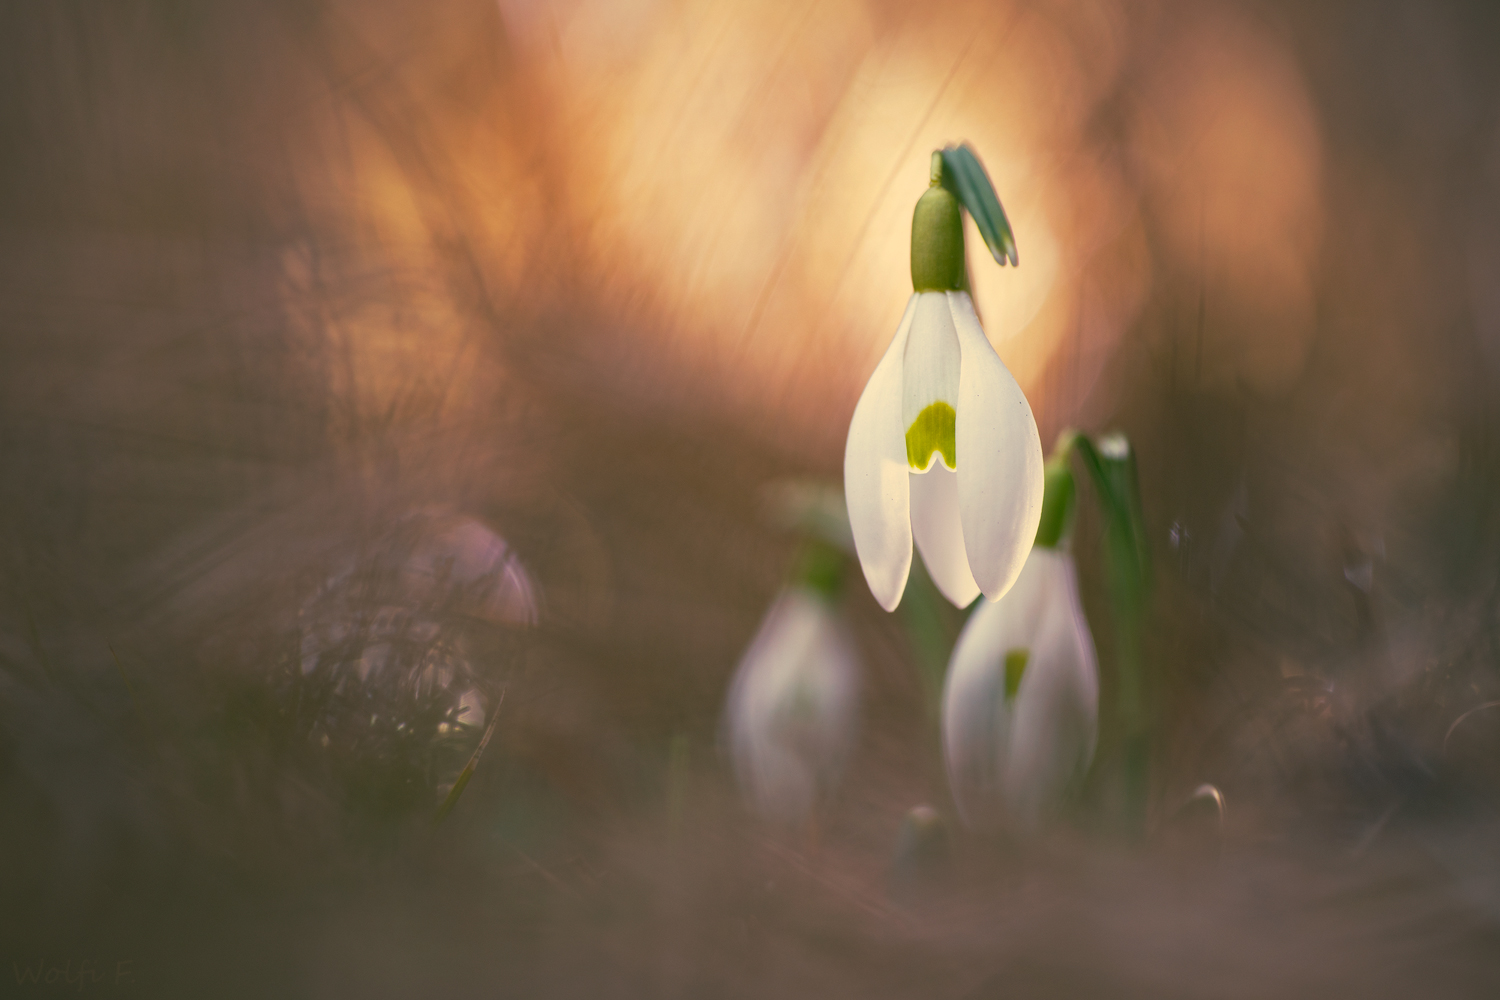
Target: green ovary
[[933, 430]]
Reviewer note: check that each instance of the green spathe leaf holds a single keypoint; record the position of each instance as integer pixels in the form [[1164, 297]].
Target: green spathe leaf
[[965, 176]]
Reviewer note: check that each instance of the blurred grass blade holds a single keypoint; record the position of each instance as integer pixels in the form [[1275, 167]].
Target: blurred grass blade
[[468, 771], [1127, 568], [965, 176]]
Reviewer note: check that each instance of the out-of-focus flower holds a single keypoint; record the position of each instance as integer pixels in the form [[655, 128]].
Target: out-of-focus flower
[[434, 572], [943, 447], [404, 651], [463, 560], [791, 708], [1021, 703]]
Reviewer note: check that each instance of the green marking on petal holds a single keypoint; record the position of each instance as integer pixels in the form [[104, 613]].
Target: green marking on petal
[[934, 430], [1015, 666]]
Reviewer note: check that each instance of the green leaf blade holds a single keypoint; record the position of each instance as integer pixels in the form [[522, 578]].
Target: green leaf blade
[[965, 176]]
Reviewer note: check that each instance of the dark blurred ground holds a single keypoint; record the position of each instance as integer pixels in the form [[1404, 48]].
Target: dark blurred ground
[[284, 283]]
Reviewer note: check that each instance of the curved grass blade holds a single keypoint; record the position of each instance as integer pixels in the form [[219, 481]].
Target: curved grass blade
[[468, 771], [965, 176]]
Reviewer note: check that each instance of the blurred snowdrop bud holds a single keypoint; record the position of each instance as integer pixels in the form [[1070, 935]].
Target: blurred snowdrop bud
[[791, 708], [1021, 703], [943, 448], [922, 853]]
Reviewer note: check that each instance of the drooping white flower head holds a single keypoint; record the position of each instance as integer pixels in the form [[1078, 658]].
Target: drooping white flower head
[[1021, 702], [943, 447], [790, 713]]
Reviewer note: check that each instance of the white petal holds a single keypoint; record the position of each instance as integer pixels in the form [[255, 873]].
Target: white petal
[[1085, 660], [790, 711], [939, 536], [875, 474], [999, 459], [932, 361], [1056, 715], [977, 722]]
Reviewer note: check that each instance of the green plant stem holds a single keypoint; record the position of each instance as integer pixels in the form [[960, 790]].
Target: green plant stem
[[1128, 580], [921, 613]]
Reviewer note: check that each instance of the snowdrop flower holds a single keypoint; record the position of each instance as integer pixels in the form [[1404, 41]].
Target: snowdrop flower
[[1021, 702], [943, 448], [791, 708]]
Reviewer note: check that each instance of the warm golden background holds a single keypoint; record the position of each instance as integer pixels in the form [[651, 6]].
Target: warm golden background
[[274, 275]]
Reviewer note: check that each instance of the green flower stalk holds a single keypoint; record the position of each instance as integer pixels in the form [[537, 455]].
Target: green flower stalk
[[1127, 570]]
